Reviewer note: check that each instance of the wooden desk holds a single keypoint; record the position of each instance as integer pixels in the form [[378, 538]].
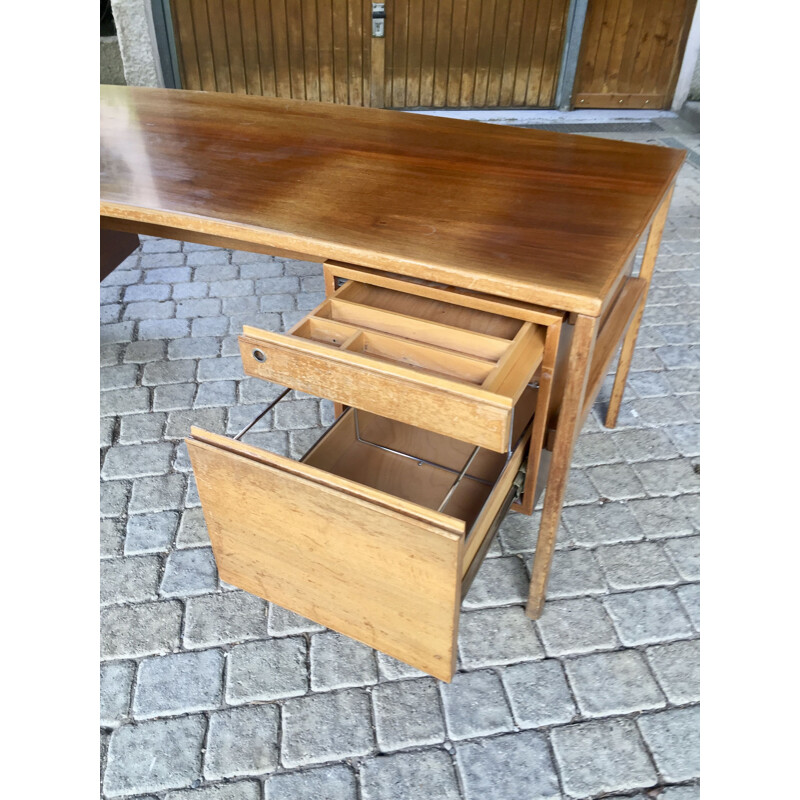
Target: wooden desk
[[488, 285]]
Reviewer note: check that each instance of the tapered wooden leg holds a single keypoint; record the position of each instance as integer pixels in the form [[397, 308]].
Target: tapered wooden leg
[[629, 342], [567, 429]]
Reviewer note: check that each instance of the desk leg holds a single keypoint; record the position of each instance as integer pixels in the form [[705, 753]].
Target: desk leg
[[629, 342], [567, 429]]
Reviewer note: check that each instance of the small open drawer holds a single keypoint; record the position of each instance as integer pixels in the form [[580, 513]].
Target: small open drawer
[[376, 533], [438, 365]]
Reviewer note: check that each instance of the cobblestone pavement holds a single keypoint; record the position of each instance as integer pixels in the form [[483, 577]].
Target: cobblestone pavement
[[209, 693]]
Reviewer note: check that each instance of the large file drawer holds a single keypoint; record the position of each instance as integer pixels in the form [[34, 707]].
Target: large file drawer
[[359, 535]]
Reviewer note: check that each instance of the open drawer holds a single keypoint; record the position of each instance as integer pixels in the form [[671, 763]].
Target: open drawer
[[435, 364], [376, 532]]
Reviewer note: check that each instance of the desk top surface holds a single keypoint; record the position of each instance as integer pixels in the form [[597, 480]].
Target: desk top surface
[[543, 217]]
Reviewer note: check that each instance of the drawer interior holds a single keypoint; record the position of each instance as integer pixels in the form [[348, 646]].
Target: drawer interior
[[436, 338]]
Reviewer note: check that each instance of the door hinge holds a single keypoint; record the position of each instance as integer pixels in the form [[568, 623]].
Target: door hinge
[[378, 20]]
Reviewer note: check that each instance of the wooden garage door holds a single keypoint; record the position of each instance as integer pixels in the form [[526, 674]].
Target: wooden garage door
[[436, 53], [631, 52]]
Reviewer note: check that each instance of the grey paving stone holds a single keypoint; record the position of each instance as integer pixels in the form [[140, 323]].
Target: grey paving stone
[[172, 274], [110, 354], [338, 661], [644, 444], [497, 636], [575, 626], [308, 300], [117, 402], [230, 288], [116, 680], [147, 291], [192, 531], [269, 670], [193, 290], [252, 390], [223, 618], [157, 262], [691, 792], [139, 428], [179, 423], [539, 693], [142, 352], [390, 669], [677, 668], [673, 737], [592, 449], [661, 517], [277, 302], [602, 757], [236, 790], [300, 442], [616, 482], [690, 503], [160, 246], [163, 328], [189, 572], [684, 381], [192, 498], [508, 768], [409, 776], [685, 554], [163, 493], [210, 326], [302, 268], [649, 384], [689, 596], [499, 581], [215, 393], [141, 630], [153, 756], [518, 532], [129, 580], [120, 376], [112, 537], [178, 683], [637, 565], [110, 294], [677, 356], [474, 705], [686, 438], [407, 714], [116, 333], [267, 321], [312, 729], [574, 573], [659, 411], [580, 489], [157, 373], [277, 285], [123, 277], [262, 269], [136, 461], [201, 307], [150, 533], [613, 683], [174, 397], [242, 741], [668, 477], [114, 498], [292, 414], [600, 524], [647, 616], [220, 369], [107, 427], [282, 622], [212, 258], [336, 782]]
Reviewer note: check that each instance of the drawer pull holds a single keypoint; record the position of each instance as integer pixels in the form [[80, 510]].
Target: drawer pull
[[259, 355]]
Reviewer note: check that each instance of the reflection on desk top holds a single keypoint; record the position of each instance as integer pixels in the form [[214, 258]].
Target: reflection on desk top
[[543, 217]]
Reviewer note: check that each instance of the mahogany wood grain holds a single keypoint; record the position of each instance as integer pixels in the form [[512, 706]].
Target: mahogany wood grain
[[537, 216]]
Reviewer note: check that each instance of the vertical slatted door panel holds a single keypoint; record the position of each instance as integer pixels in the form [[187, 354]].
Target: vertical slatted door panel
[[473, 53], [631, 52], [306, 49]]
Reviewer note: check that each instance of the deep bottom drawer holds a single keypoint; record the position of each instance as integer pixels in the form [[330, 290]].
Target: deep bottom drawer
[[358, 536]]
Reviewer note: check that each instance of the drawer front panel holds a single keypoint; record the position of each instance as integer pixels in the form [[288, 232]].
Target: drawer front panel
[[373, 573], [426, 401]]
